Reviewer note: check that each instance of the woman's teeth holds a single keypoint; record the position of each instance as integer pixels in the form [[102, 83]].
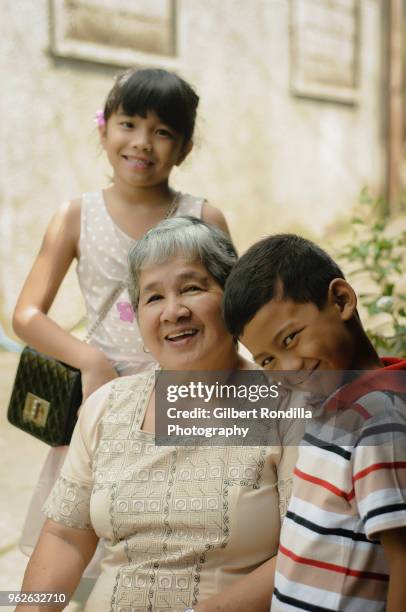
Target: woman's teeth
[[181, 334]]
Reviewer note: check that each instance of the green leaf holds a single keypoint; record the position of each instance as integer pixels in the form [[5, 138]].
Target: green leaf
[[373, 309], [379, 226], [364, 197]]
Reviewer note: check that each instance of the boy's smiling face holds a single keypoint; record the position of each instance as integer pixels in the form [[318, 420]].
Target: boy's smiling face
[[287, 335]]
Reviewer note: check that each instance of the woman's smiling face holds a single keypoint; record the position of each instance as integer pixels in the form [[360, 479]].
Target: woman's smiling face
[[179, 315]]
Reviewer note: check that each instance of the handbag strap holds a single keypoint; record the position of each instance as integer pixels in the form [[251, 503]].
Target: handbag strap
[[106, 307]]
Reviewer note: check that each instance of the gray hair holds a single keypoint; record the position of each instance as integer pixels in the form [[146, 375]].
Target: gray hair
[[186, 237]]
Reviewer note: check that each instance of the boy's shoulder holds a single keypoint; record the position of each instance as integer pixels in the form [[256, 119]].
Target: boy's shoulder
[[381, 391], [364, 386], [370, 408]]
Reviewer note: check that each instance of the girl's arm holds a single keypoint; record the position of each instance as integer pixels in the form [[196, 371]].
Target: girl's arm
[[252, 592], [214, 216], [59, 559], [31, 322]]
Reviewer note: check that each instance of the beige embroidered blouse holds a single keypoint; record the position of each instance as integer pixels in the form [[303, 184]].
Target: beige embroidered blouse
[[180, 524]]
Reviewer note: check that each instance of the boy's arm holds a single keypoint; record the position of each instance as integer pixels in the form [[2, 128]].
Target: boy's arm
[[394, 544]]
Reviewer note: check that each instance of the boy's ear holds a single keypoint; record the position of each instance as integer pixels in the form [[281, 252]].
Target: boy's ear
[[343, 297], [187, 147]]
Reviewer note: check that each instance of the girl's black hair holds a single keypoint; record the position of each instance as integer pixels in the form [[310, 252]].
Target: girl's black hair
[[136, 92]]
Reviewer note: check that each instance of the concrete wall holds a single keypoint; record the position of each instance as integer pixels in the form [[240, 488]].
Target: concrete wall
[[270, 160]]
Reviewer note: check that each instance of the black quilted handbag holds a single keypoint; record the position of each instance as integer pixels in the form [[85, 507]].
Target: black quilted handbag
[[45, 398], [47, 393]]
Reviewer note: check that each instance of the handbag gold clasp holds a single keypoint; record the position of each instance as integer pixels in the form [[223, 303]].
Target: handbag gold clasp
[[35, 410]]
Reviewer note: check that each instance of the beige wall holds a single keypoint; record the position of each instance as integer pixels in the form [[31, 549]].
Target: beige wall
[[270, 160]]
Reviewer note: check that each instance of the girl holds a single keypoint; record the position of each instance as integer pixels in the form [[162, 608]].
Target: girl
[[146, 129]]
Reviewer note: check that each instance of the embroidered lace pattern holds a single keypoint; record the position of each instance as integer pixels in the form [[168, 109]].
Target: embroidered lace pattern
[[166, 512], [68, 503]]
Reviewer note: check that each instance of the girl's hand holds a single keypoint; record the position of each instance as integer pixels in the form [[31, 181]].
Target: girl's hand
[[96, 372]]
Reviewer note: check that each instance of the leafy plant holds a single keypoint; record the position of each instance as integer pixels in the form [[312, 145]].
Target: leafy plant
[[376, 257]]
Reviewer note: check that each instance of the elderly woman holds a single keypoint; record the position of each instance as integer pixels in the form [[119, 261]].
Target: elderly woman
[[161, 551]]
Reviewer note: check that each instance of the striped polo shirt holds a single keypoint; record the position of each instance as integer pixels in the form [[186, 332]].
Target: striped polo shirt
[[349, 484]]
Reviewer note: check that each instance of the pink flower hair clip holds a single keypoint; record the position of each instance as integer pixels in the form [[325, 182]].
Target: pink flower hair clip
[[100, 120]]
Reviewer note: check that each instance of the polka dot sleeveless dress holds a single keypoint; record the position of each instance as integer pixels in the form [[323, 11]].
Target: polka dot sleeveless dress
[[102, 265]]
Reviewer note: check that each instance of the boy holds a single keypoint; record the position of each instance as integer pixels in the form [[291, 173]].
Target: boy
[[343, 541]]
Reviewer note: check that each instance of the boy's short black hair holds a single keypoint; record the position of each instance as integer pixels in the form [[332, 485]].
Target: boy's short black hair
[[283, 262], [138, 91]]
